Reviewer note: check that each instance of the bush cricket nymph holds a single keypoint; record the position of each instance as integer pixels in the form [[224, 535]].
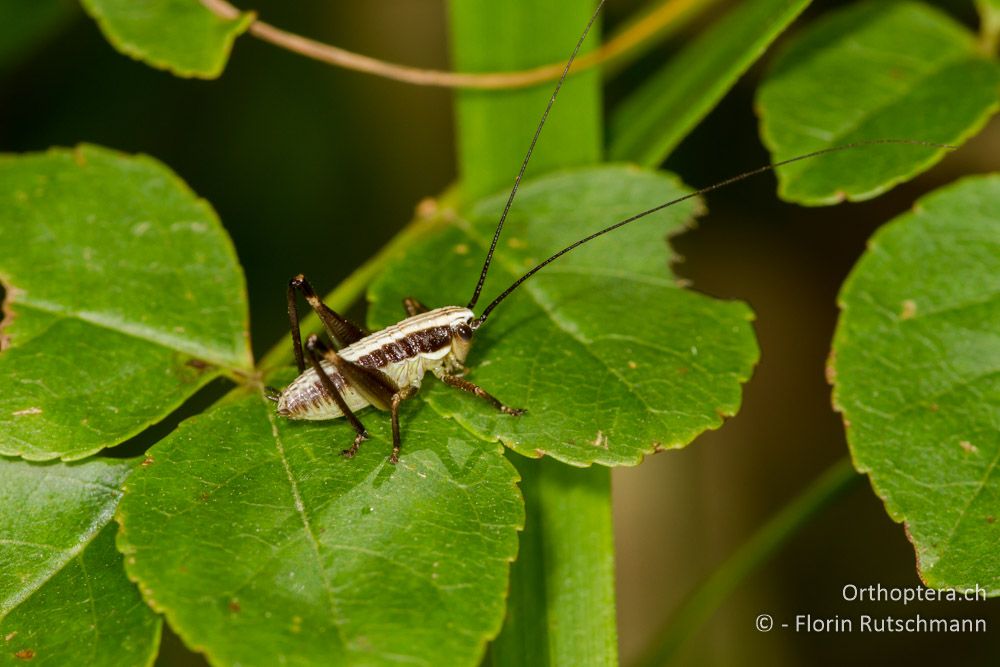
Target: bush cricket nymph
[[385, 368]]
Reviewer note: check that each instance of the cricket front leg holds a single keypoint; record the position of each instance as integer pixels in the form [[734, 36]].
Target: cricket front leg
[[465, 385], [313, 345], [398, 398]]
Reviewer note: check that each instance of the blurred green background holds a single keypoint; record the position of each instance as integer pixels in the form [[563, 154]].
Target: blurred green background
[[312, 169]]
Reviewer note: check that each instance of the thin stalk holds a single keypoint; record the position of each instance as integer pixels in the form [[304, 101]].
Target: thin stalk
[[664, 19], [833, 483], [989, 26]]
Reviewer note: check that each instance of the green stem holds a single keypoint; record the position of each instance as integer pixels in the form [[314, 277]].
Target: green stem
[[699, 607], [561, 609], [989, 26]]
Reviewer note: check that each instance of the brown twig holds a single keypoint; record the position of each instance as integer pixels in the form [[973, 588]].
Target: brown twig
[[629, 39]]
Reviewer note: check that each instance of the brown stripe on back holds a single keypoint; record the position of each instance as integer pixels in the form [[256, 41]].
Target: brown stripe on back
[[423, 341], [394, 352], [432, 339], [374, 359]]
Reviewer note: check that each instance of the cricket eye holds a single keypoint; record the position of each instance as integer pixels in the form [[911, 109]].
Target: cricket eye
[[464, 331]]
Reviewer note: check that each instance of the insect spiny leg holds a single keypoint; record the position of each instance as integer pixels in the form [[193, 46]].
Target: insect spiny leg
[[465, 385]]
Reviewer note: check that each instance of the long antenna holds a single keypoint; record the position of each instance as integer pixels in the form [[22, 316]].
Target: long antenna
[[527, 157], [476, 323]]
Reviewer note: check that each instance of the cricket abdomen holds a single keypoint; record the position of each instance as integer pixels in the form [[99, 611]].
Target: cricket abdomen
[[305, 397]]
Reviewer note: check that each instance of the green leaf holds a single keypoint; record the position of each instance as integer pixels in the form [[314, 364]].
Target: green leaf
[[916, 371], [562, 600], [877, 70], [123, 292], [262, 545], [181, 36], [612, 359], [64, 596], [653, 120]]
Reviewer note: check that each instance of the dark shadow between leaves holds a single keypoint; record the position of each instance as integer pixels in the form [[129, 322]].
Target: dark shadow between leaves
[[200, 401]]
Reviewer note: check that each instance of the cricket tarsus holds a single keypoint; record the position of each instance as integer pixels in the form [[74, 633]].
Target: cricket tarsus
[[715, 186], [527, 156]]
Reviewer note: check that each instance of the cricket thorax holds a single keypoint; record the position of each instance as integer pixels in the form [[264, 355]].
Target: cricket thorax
[[436, 341]]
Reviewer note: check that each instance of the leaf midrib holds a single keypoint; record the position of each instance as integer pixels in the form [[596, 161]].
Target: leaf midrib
[[306, 525], [101, 519], [144, 334]]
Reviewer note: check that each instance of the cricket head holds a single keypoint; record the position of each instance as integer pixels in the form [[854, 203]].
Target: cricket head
[[461, 327]]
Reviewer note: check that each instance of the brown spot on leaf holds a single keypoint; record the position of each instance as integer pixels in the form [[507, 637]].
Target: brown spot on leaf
[[461, 249], [991, 519], [515, 242], [427, 208], [683, 370], [234, 606], [968, 447], [10, 635], [909, 309], [198, 364], [933, 407], [633, 365], [27, 411], [658, 447], [539, 453], [601, 440], [6, 314], [25, 654], [148, 461]]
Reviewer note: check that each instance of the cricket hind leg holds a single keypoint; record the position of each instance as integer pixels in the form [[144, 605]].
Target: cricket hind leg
[[361, 434], [342, 331], [476, 390]]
